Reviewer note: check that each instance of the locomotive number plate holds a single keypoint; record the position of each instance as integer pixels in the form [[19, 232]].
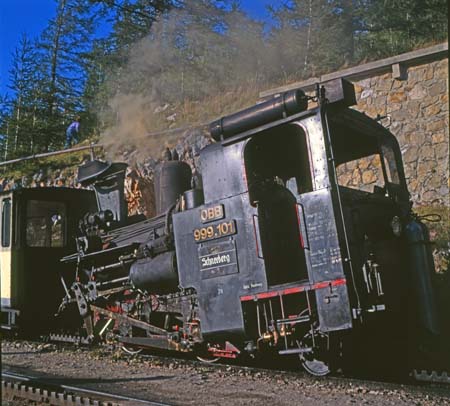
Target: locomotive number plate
[[215, 231], [212, 213], [217, 259]]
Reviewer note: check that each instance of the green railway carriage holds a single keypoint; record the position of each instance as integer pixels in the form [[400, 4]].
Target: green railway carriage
[[37, 228]]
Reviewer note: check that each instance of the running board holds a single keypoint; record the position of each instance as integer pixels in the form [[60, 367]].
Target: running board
[[295, 351]]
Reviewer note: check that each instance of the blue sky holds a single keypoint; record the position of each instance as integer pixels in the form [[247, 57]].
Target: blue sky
[[31, 16]]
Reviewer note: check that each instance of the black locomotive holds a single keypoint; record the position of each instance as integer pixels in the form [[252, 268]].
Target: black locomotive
[[273, 246]]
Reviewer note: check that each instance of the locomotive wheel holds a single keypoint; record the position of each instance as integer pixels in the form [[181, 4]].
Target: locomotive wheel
[[131, 350], [316, 362], [203, 355], [208, 359], [129, 331]]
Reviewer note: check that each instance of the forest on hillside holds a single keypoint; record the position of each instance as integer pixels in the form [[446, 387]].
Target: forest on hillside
[[134, 66]]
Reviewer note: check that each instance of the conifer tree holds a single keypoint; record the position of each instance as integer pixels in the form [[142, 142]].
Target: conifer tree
[[63, 47], [24, 86]]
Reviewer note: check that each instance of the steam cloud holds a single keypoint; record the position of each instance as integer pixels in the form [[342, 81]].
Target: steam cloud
[[197, 63]]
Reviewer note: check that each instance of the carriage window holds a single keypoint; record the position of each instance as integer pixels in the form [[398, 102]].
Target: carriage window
[[6, 222], [45, 224]]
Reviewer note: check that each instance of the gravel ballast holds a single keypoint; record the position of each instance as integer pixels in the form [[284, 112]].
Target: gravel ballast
[[184, 382]]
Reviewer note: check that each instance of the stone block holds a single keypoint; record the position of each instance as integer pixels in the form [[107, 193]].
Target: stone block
[[363, 163], [396, 97], [416, 74], [393, 107], [428, 83], [435, 125], [432, 110], [439, 88], [365, 83], [345, 178], [412, 185], [383, 86], [356, 177], [430, 196], [417, 92], [367, 93], [396, 127], [410, 154], [358, 88], [429, 72], [401, 115], [441, 71], [444, 192], [413, 108], [397, 84], [372, 111], [442, 151], [426, 152], [351, 165], [439, 137], [369, 176], [428, 101], [376, 161]]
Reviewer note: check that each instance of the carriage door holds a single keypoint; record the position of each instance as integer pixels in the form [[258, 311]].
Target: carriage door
[[6, 250]]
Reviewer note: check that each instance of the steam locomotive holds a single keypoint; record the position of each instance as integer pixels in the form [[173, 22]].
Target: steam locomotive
[[275, 245]]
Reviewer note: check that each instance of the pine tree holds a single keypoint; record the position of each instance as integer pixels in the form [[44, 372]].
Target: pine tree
[[321, 32], [23, 105], [63, 46], [389, 28]]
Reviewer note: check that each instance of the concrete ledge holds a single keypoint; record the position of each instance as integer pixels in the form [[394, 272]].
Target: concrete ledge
[[397, 64]]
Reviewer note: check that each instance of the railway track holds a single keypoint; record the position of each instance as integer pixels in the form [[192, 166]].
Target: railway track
[[46, 391], [415, 375], [419, 375], [154, 378]]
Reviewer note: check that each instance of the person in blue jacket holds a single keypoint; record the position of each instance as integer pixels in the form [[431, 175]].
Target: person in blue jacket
[[72, 132]]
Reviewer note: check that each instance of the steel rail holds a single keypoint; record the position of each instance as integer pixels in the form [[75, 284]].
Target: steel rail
[[34, 383]]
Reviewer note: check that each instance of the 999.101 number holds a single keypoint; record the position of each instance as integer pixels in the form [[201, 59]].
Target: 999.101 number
[[215, 231]]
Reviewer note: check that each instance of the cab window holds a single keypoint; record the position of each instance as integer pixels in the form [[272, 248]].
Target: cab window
[[6, 222], [45, 224], [363, 174]]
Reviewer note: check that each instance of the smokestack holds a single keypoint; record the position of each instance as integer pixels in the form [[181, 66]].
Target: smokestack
[[108, 180]]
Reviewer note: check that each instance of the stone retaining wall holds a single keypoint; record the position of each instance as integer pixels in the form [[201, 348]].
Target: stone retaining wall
[[417, 114], [411, 89]]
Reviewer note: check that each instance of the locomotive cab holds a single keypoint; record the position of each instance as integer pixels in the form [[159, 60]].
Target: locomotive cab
[[315, 200]]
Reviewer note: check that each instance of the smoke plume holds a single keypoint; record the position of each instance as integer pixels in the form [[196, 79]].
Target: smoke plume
[[196, 64]]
